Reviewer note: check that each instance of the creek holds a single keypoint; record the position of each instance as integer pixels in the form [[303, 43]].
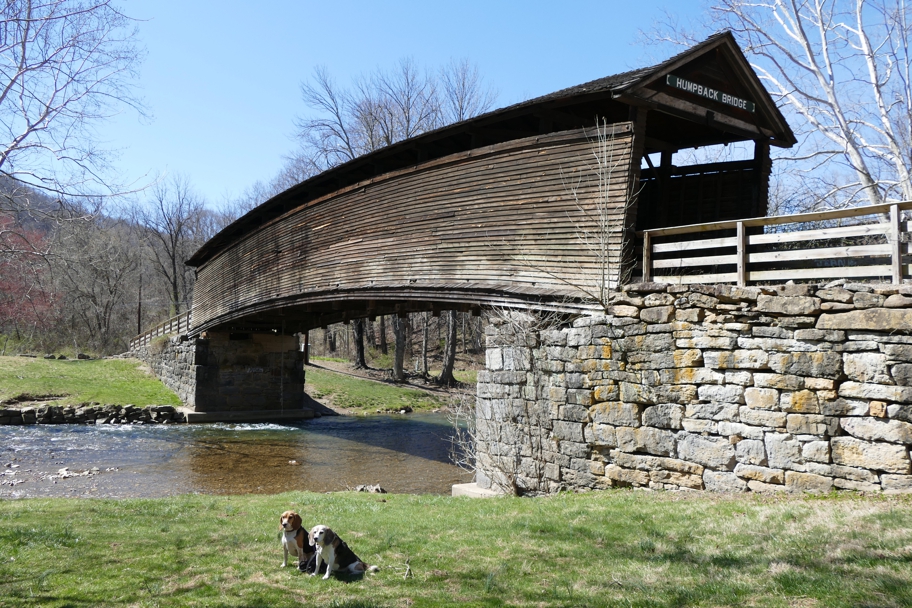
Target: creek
[[403, 454]]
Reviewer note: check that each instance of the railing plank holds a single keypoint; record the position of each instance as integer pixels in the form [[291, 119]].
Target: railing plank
[[821, 273], [895, 230], [798, 218], [823, 233], [741, 255], [180, 324], [648, 248], [690, 279], [712, 260], [825, 253], [691, 245]]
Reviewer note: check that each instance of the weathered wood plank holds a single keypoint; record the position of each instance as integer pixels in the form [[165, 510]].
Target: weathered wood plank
[[696, 244], [690, 279], [820, 234], [823, 253], [695, 261], [799, 218], [821, 273]]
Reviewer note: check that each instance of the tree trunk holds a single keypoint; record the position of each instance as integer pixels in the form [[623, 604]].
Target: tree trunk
[[369, 336], [358, 330], [449, 352], [424, 346], [383, 348], [400, 331]]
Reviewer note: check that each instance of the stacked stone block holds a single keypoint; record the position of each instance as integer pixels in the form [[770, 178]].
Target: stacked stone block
[[178, 364], [91, 414], [218, 374], [765, 389]]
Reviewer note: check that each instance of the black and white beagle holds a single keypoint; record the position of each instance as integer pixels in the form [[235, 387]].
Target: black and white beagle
[[294, 539], [333, 550]]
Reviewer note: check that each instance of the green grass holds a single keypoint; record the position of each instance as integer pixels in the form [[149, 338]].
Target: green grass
[[365, 395], [613, 548], [114, 381]]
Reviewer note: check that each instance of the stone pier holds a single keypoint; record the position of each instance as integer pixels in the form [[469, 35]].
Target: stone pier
[[231, 376]]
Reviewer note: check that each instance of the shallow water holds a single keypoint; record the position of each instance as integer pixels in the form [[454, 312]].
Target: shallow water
[[404, 454]]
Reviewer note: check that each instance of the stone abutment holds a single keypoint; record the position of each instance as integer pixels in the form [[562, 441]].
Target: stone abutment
[[704, 387], [226, 372]]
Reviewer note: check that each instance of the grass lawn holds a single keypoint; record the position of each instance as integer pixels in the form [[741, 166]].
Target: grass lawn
[[106, 381], [613, 548], [366, 396]]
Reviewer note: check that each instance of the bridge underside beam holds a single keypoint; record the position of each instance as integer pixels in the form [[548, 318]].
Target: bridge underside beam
[[290, 316]]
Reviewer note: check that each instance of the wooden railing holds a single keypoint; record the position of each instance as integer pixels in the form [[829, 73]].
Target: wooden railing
[[175, 325], [860, 243]]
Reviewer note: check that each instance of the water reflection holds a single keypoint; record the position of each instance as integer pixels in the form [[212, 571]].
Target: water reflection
[[402, 454]]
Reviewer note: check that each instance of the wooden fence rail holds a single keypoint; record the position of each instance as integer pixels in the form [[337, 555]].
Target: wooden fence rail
[[175, 325], [860, 243]]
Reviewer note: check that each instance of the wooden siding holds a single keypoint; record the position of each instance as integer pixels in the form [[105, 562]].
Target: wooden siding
[[495, 219]]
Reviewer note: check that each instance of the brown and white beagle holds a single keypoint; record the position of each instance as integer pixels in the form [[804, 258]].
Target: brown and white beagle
[[333, 550], [294, 539]]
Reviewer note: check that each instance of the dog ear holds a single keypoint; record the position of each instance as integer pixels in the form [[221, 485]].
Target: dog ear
[[310, 538], [329, 537], [296, 521]]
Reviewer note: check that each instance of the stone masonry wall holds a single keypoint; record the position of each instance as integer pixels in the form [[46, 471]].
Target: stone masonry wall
[[796, 387], [175, 363], [220, 374]]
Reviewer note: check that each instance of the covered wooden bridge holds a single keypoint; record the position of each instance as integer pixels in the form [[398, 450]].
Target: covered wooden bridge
[[531, 205], [501, 209]]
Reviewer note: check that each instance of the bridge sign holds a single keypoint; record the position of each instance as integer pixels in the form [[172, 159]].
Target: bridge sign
[[709, 93]]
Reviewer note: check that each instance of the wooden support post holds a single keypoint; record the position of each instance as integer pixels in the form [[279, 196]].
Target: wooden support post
[[307, 347], [741, 240], [647, 257], [896, 244]]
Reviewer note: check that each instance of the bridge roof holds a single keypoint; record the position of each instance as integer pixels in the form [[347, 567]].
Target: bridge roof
[[693, 121]]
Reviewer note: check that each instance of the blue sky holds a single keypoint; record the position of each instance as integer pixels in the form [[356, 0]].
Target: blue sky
[[222, 80]]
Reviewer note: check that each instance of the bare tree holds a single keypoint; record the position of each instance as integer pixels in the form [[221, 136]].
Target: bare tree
[[384, 349], [843, 70], [464, 93], [400, 330], [94, 265], [358, 338], [406, 102], [328, 137], [176, 224], [424, 343], [64, 66], [449, 354], [381, 109]]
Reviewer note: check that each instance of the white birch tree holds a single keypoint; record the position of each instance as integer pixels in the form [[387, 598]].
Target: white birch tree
[[842, 72]]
